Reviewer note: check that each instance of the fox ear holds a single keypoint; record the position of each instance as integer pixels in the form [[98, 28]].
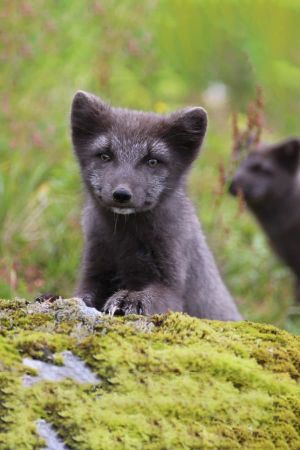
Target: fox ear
[[287, 154], [187, 130], [89, 116]]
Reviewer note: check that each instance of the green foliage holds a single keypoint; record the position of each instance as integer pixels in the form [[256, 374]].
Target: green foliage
[[242, 43], [155, 55], [169, 381]]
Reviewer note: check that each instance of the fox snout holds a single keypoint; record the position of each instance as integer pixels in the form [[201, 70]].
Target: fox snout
[[122, 200], [233, 188], [121, 195]]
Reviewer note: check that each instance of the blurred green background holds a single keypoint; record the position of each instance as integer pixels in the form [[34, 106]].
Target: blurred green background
[[152, 55]]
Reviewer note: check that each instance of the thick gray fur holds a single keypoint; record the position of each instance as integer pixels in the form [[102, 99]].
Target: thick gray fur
[[149, 255], [269, 180]]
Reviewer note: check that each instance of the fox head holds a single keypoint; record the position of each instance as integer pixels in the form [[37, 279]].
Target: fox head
[[130, 160], [268, 174]]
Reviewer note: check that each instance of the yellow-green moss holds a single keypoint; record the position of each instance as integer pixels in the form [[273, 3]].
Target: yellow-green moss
[[168, 382]]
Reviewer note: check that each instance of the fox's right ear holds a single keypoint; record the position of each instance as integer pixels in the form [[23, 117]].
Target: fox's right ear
[[186, 132], [287, 154], [89, 116]]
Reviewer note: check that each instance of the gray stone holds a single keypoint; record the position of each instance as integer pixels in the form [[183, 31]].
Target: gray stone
[[73, 368]]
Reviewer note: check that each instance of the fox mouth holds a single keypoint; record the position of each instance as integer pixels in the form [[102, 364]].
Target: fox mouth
[[124, 211]]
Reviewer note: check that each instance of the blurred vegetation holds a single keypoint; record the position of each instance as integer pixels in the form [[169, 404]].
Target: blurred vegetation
[[152, 55]]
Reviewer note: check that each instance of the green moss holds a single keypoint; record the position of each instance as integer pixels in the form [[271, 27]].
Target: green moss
[[169, 381]]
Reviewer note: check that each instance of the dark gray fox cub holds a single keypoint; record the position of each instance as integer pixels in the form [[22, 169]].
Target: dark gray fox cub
[[144, 249], [269, 180]]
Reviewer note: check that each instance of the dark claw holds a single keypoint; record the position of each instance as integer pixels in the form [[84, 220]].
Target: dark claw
[[140, 308]]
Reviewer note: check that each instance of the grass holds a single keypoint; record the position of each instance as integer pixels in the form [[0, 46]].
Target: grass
[[151, 55]]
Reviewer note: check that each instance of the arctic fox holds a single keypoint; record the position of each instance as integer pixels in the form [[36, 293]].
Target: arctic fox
[[270, 183], [144, 252]]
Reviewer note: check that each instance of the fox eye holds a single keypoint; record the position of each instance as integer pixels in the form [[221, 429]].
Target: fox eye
[[256, 168], [152, 162], [105, 157], [261, 169]]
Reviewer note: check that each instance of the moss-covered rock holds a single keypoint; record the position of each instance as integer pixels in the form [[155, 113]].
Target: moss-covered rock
[[165, 382]]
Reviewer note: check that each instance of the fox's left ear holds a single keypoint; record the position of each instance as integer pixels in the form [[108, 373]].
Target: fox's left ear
[[186, 131], [287, 154], [89, 116]]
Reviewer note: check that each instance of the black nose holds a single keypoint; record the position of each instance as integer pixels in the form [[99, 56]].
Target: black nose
[[122, 195], [233, 188]]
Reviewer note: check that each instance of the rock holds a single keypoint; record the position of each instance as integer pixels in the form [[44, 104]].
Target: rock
[[72, 367], [161, 382], [47, 432]]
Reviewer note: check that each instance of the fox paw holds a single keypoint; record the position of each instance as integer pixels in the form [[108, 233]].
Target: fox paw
[[125, 302]]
